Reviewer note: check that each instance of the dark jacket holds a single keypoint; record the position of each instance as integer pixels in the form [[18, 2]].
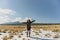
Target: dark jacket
[[29, 25]]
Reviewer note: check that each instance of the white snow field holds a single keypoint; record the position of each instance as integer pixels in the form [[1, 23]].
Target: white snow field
[[35, 35]]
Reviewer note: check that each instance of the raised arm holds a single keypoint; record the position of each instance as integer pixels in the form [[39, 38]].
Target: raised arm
[[33, 21]]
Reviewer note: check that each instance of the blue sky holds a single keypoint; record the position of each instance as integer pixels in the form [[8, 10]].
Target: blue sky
[[43, 11]]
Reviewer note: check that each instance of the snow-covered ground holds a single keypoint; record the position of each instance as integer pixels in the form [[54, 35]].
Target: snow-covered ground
[[35, 35]]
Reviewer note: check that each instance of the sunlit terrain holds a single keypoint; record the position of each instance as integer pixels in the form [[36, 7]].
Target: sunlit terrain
[[38, 32]]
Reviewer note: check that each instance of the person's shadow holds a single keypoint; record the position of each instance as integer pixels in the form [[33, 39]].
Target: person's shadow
[[37, 38]]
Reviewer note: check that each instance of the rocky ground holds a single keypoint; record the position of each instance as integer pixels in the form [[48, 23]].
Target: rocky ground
[[35, 35]]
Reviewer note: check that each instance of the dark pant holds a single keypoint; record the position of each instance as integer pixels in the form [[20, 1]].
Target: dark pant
[[28, 28], [28, 32]]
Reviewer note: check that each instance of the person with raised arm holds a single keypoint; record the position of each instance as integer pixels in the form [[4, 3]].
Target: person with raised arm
[[29, 27]]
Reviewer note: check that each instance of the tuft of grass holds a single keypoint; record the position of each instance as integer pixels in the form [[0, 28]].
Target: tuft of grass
[[55, 30], [36, 33], [21, 33], [10, 36], [56, 36], [23, 38], [28, 39], [19, 36], [5, 38], [48, 35]]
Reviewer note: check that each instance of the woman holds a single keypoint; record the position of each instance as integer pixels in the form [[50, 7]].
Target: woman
[[29, 27]]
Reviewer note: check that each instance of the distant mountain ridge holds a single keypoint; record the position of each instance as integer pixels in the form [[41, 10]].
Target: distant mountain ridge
[[18, 23]]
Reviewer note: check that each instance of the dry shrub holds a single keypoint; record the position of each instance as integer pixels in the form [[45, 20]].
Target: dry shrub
[[56, 35], [48, 35], [19, 36], [9, 31], [16, 33], [5, 38], [55, 30], [0, 30], [0, 34], [23, 38], [28, 39], [36, 33], [21, 33], [10, 36]]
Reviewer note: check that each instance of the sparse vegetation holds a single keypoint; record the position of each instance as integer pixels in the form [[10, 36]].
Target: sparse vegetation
[[5, 38], [16, 29], [20, 28]]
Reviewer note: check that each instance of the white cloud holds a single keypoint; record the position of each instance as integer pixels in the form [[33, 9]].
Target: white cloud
[[5, 15], [4, 19], [17, 19], [21, 19], [6, 11]]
